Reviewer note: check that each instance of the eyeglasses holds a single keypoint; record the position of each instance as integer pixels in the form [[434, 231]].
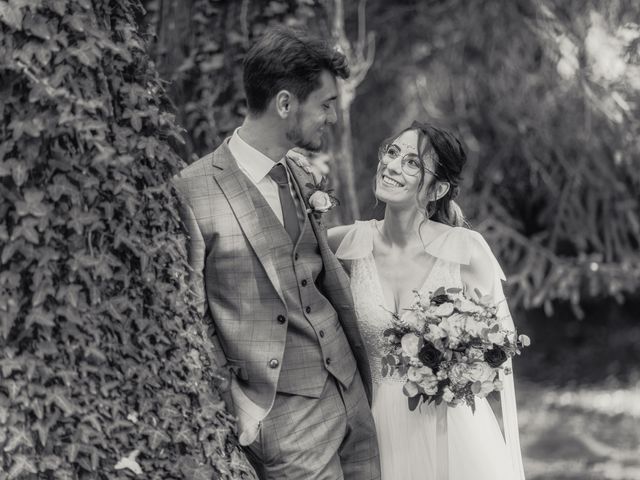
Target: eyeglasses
[[410, 163]]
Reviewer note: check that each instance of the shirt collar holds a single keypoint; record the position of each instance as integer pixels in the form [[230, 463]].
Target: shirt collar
[[255, 163]]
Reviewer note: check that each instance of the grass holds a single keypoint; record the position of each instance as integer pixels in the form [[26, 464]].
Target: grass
[[578, 392], [587, 433]]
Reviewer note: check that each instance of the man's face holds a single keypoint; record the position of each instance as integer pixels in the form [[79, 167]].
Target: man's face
[[318, 111]]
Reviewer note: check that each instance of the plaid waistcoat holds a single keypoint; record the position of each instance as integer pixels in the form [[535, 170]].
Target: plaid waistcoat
[[315, 341]]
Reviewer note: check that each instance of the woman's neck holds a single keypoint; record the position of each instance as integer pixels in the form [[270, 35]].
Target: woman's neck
[[402, 226]]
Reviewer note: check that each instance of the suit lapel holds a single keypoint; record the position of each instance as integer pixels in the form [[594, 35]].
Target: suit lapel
[[298, 187], [233, 184], [300, 180], [341, 287]]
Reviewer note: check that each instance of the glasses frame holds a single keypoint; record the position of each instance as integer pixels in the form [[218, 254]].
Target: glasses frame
[[383, 153]]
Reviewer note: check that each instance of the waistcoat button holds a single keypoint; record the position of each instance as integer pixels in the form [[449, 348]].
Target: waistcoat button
[[321, 333], [273, 363], [304, 283], [328, 360], [281, 319], [308, 309]]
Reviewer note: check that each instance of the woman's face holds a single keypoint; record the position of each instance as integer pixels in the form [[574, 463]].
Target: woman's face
[[401, 170]]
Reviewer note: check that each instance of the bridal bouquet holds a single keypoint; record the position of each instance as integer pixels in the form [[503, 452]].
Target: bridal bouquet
[[449, 347]]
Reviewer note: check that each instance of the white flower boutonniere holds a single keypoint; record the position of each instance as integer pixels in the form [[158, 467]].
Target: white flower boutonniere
[[320, 202], [321, 199]]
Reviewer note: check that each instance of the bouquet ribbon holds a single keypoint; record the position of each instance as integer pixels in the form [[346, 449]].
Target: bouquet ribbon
[[442, 443]]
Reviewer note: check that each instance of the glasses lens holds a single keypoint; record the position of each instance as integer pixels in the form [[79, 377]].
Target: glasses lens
[[411, 165]]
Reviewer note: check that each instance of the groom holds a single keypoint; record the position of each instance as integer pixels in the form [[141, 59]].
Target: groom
[[266, 278]]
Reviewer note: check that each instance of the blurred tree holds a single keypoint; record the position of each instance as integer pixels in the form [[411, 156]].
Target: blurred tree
[[544, 104], [360, 54]]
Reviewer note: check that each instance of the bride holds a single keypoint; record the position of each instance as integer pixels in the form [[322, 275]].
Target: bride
[[422, 245]]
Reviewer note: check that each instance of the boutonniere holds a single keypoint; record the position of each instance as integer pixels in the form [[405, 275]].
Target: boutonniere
[[321, 199]]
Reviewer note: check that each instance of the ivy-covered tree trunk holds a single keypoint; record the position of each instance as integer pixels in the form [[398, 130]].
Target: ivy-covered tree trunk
[[104, 365]]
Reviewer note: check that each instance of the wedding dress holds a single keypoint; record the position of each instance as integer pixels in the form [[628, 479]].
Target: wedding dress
[[432, 442]]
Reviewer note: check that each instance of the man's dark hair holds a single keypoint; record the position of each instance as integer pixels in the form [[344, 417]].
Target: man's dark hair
[[286, 59]]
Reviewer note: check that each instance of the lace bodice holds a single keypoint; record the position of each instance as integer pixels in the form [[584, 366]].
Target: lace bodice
[[372, 313], [450, 250]]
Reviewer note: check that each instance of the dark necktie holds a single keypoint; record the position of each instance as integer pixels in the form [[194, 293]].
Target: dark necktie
[[289, 213]]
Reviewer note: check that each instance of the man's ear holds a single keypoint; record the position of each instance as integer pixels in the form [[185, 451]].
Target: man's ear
[[441, 189], [285, 102]]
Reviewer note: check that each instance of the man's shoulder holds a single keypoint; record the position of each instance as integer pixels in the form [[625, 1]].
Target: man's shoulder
[[202, 168], [199, 168]]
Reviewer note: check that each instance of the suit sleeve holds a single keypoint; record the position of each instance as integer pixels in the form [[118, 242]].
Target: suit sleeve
[[196, 252]]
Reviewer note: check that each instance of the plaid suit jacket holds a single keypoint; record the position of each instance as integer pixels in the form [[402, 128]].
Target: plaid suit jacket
[[237, 286]]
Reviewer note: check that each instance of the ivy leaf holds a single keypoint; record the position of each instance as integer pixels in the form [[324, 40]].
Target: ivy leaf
[[156, 437], [136, 121], [27, 230], [18, 437], [37, 26], [129, 462], [64, 474], [21, 465], [58, 6], [185, 435], [50, 462], [7, 320], [93, 420], [32, 204], [44, 57], [36, 407], [8, 366], [76, 22], [71, 294], [8, 251], [87, 54], [72, 451], [13, 388], [11, 15], [197, 471], [42, 292], [19, 173], [58, 399]]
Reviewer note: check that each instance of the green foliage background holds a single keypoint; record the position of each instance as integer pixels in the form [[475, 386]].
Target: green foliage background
[[104, 366], [552, 179]]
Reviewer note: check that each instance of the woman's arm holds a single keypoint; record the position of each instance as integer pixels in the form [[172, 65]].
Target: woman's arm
[[480, 274]]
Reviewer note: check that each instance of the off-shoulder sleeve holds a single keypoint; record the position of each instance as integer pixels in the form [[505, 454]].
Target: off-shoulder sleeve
[[461, 245], [358, 242]]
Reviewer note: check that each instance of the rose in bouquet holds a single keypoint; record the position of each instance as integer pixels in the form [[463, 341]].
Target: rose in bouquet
[[450, 347]]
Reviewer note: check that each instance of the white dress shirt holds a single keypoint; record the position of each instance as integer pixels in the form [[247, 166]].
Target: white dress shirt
[[256, 166]]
